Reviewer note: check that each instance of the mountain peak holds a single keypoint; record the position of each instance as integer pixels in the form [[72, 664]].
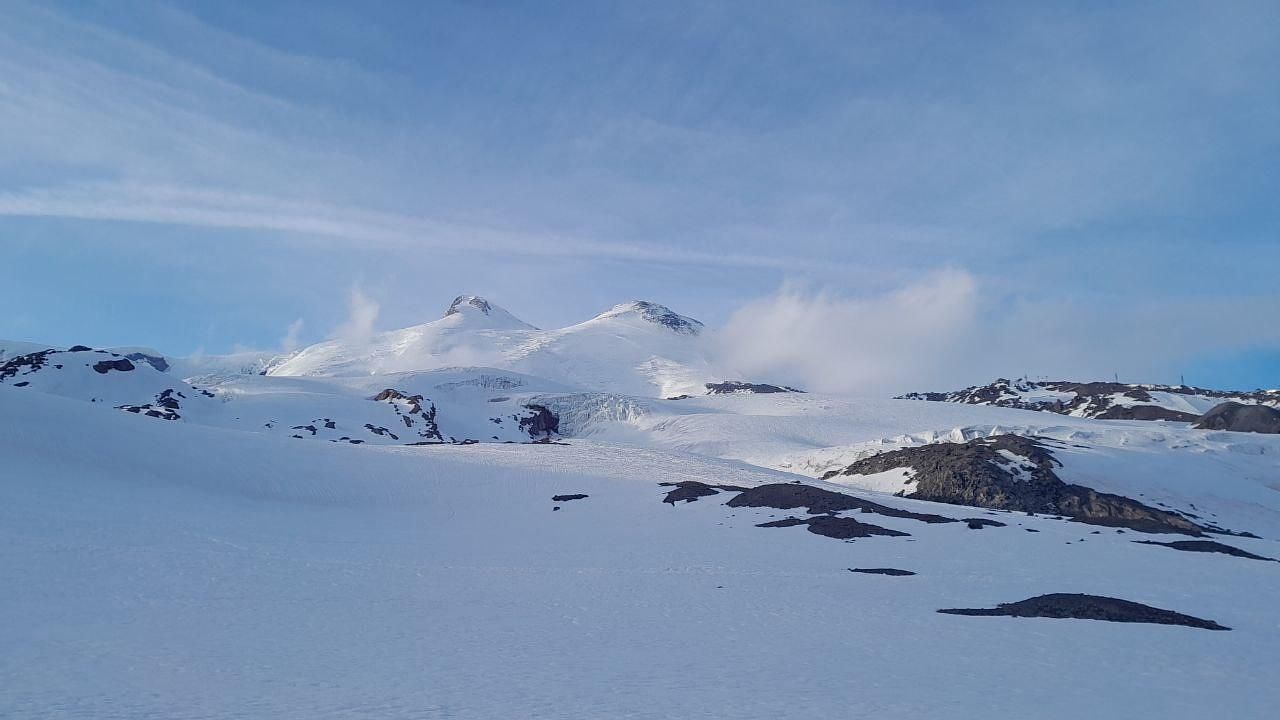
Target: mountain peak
[[476, 312], [463, 302], [656, 314]]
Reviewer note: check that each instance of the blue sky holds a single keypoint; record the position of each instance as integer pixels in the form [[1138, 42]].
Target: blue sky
[[959, 190]]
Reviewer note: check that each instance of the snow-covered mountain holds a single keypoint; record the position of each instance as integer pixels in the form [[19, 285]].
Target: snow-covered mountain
[[492, 508], [637, 348]]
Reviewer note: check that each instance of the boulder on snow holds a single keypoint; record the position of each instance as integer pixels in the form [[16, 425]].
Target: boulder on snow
[[1238, 417]]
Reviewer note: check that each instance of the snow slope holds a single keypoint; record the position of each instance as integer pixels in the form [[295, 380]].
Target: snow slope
[[177, 544], [166, 569]]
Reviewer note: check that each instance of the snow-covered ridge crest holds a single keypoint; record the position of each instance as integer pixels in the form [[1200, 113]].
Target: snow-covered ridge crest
[[1102, 400], [656, 314]]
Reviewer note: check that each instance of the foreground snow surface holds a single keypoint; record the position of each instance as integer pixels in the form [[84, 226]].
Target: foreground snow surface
[[169, 570]]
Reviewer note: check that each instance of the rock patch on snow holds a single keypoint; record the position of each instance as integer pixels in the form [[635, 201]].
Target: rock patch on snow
[[1207, 546], [1088, 607], [840, 528], [789, 496], [730, 387], [103, 367]]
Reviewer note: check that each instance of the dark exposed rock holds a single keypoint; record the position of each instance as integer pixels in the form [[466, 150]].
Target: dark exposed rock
[[978, 473], [822, 503], [478, 303], [79, 348], [164, 407], [1208, 546], [25, 364], [376, 430], [567, 498], [841, 528], [1236, 417], [24, 383], [789, 496], [679, 397], [412, 412], [542, 423], [664, 316], [979, 523], [154, 361], [105, 366], [730, 387], [882, 571], [1088, 607], [691, 490], [167, 399], [1145, 412]]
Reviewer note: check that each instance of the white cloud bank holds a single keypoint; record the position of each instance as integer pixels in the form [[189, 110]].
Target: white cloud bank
[[948, 330]]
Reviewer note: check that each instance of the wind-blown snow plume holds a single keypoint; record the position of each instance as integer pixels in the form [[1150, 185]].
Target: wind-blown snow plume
[[360, 320], [291, 339]]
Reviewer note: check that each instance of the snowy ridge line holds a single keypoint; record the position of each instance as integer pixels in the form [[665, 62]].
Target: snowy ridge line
[[638, 348], [820, 461], [1102, 400]]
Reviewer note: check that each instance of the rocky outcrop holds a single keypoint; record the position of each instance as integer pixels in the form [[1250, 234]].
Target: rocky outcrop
[[1088, 607], [688, 491], [664, 316], [120, 364], [155, 361], [25, 364], [840, 528], [1010, 472], [541, 423], [474, 301], [570, 496], [410, 408], [895, 572], [730, 387], [1145, 412], [791, 496], [165, 407], [1236, 417]]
